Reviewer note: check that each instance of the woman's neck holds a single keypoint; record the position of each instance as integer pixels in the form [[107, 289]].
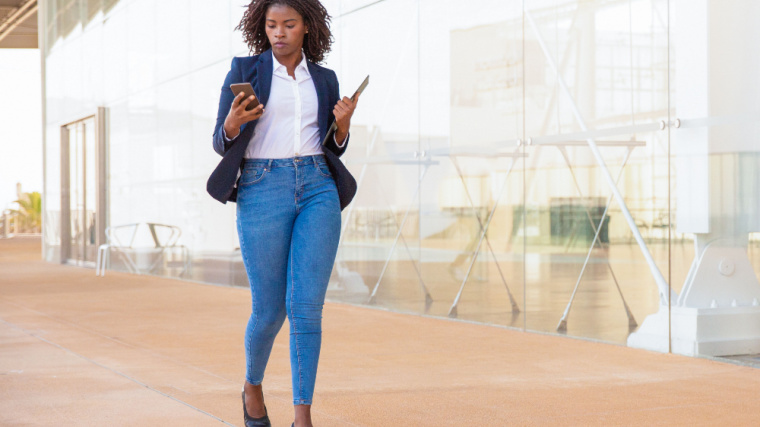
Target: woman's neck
[[290, 61]]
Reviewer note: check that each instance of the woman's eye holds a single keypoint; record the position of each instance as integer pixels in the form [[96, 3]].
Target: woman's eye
[[291, 26]]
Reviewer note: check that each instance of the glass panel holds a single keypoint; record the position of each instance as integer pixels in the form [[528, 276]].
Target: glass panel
[[596, 87], [77, 190], [90, 159], [69, 16], [51, 8], [109, 4], [470, 121], [91, 9], [715, 170], [379, 252], [62, 17]]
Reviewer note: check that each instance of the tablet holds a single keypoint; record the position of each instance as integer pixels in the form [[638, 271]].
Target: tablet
[[334, 125]]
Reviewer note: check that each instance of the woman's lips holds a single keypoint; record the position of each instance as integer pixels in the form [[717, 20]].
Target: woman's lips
[[280, 45]]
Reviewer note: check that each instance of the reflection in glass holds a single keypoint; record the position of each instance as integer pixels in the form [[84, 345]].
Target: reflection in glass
[[62, 17], [379, 258], [561, 166], [592, 151]]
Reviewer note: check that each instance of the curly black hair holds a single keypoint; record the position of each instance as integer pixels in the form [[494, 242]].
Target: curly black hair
[[316, 42]]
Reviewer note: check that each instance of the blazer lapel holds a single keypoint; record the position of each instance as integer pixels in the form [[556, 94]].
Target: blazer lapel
[[261, 80], [323, 112]]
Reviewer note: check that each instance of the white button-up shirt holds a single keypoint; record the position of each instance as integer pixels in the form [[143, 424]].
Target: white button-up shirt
[[288, 127]]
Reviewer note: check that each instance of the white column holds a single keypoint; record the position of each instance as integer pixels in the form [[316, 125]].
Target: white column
[[716, 158]]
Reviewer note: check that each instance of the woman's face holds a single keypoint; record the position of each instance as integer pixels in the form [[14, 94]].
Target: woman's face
[[285, 29]]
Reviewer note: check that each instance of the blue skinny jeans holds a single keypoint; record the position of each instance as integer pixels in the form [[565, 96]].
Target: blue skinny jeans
[[288, 222]]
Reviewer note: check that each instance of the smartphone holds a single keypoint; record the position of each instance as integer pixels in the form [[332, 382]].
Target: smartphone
[[247, 89]]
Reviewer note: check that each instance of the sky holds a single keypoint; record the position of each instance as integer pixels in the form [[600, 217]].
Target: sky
[[20, 123]]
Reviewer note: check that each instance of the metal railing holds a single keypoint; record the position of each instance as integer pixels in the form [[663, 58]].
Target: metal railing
[[11, 225]]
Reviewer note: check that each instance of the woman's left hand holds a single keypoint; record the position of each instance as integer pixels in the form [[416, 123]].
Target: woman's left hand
[[343, 111]]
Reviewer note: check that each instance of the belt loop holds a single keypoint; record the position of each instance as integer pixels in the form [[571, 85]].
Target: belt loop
[[269, 166]]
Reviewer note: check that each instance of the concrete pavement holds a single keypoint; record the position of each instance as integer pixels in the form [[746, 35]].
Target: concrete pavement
[[81, 350]]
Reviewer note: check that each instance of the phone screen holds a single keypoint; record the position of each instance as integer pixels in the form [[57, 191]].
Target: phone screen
[[247, 89]]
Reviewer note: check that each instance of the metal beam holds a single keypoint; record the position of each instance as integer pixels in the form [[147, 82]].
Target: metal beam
[[16, 18]]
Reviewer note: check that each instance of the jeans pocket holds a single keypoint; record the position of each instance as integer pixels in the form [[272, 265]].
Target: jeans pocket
[[252, 175], [324, 170]]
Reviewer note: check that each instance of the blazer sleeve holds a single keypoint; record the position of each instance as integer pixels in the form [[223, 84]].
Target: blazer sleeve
[[334, 98], [225, 103]]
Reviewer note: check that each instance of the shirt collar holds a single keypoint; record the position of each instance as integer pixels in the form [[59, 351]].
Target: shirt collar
[[302, 66]]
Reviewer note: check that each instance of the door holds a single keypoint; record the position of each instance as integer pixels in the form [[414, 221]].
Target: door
[[82, 190]]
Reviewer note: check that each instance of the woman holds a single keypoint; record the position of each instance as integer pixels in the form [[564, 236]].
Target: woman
[[288, 212]]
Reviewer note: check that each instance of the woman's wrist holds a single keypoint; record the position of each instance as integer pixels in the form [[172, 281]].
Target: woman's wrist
[[230, 129], [340, 135]]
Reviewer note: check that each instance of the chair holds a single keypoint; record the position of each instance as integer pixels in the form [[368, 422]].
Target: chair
[[164, 238], [113, 242], [168, 244]]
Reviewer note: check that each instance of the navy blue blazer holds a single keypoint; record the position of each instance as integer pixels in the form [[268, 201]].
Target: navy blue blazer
[[222, 184]]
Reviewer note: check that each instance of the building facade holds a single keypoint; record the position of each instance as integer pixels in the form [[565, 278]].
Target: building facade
[[587, 168]]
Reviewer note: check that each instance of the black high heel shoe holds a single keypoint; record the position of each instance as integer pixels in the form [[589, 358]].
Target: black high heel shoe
[[255, 422]]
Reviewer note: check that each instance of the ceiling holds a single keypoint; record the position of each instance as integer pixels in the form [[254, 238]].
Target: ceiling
[[18, 24]]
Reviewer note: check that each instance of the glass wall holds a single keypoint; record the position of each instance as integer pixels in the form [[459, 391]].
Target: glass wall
[[557, 177], [379, 260], [586, 168], [596, 180], [157, 68]]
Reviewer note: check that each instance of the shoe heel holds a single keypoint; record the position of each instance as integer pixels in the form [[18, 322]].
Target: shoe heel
[[255, 422]]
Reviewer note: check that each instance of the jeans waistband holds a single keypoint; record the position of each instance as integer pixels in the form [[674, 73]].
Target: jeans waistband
[[289, 162]]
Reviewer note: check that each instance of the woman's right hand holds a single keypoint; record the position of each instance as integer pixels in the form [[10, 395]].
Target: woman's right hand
[[237, 116]]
